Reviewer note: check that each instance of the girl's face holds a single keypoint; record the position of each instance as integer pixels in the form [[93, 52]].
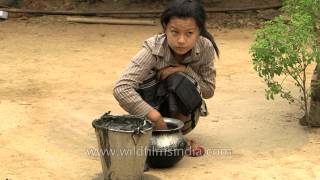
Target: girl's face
[[182, 34]]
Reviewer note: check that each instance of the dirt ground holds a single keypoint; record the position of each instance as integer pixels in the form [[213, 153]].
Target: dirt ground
[[56, 77]]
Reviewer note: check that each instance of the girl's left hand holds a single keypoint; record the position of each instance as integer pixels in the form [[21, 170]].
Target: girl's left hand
[[167, 71]]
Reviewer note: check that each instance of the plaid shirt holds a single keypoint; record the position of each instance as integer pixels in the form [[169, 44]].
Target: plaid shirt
[[155, 55]]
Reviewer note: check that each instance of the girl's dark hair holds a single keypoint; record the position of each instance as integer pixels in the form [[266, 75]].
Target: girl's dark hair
[[187, 9]]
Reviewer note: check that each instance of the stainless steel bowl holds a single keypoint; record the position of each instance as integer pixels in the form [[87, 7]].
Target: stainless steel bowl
[[167, 146]]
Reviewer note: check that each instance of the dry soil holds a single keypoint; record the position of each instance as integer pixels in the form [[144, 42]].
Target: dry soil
[[56, 77]]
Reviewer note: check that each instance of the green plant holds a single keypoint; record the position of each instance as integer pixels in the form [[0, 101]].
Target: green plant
[[285, 47]]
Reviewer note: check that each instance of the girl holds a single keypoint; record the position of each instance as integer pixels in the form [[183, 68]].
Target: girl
[[184, 52]]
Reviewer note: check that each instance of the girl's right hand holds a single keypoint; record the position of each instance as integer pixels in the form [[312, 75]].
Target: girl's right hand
[[160, 124], [157, 119]]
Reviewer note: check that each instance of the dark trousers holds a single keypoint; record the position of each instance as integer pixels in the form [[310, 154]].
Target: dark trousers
[[178, 93]]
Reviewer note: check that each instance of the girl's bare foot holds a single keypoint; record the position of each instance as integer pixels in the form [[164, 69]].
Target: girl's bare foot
[[194, 149]]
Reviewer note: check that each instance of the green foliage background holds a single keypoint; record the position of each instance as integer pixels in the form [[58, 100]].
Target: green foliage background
[[286, 46]]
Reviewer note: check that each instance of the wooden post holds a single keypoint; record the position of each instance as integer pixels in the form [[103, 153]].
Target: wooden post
[[96, 20]]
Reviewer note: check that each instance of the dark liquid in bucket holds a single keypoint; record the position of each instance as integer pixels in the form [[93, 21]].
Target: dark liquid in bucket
[[123, 123]]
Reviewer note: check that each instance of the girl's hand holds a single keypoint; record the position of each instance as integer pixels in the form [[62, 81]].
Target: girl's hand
[[164, 73], [157, 119]]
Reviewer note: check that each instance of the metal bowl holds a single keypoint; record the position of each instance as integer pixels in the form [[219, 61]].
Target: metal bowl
[[168, 146]]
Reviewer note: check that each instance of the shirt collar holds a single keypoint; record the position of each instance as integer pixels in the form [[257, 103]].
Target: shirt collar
[[160, 44], [196, 49]]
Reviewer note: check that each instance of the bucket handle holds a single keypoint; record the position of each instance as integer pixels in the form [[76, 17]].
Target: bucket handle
[[136, 132]]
